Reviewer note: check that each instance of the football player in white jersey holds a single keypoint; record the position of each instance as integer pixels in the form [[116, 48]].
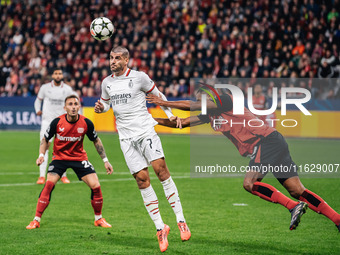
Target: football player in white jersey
[[125, 90], [53, 94]]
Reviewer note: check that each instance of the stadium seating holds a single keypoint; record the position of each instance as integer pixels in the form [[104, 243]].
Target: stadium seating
[[171, 42]]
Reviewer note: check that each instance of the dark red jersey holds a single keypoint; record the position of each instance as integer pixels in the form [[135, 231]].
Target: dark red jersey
[[244, 131], [69, 137]]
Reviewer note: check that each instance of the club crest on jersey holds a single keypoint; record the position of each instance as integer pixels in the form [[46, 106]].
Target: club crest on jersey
[[130, 84], [80, 130]]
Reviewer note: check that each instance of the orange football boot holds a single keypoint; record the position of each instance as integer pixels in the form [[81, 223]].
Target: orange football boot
[[41, 180], [162, 236], [102, 223], [65, 180], [33, 224], [185, 231]]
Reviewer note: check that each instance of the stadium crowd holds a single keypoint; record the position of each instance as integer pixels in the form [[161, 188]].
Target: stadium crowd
[[172, 41]]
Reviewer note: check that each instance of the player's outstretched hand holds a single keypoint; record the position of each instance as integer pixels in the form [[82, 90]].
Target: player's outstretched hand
[[178, 121], [39, 113], [98, 107], [152, 99], [109, 169], [40, 160]]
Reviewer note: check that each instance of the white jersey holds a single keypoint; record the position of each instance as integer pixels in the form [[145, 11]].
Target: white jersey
[[126, 94], [54, 100]]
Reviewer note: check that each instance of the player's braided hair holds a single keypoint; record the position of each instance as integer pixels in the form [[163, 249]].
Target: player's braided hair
[[123, 50]]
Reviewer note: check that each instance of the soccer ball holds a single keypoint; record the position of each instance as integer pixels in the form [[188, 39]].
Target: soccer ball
[[101, 28]]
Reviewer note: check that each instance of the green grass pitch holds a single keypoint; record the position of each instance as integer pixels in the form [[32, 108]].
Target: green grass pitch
[[217, 226]]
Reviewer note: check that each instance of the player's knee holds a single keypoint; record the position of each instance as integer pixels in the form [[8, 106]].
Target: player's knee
[[161, 169], [248, 185], [94, 185], [294, 187], [142, 178], [296, 192], [143, 183], [163, 173]]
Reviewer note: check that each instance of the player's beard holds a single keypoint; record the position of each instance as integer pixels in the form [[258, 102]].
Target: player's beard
[[117, 69], [57, 81]]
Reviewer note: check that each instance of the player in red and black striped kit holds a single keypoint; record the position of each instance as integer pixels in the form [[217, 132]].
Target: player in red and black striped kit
[[68, 152], [265, 146]]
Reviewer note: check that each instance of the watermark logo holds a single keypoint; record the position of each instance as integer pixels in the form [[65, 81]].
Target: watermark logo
[[204, 88], [238, 99]]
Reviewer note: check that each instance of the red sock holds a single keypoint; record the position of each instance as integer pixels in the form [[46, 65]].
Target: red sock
[[44, 198], [269, 193], [318, 205], [97, 200]]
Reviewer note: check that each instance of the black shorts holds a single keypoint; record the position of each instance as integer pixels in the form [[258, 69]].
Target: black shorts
[[81, 168], [271, 154]]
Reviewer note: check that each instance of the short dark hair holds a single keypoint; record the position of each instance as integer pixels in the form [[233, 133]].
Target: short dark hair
[[71, 96], [56, 69], [123, 50]]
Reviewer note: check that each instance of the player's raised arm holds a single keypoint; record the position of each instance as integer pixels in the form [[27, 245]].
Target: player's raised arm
[[101, 151], [166, 109], [185, 105], [149, 87], [158, 100], [187, 122]]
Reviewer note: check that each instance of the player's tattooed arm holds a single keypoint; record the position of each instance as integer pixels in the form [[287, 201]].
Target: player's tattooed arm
[[42, 150], [43, 146], [100, 147], [101, 151]]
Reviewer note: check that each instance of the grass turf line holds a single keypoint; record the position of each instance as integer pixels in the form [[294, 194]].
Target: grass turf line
[[217, 226]]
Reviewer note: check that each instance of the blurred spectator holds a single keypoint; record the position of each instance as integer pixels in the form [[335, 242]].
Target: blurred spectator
[[299, 48], [171, 42]]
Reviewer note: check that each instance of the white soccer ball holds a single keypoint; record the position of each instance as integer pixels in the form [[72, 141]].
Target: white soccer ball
[[101, 28]]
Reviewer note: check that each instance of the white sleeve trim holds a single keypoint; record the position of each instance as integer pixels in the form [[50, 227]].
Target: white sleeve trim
[[157, 93]]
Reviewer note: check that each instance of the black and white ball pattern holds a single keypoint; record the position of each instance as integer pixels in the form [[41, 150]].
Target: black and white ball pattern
[[101, 28]]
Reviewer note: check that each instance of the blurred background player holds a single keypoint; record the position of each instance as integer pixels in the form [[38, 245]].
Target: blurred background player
[[53, 94], [125, 90], [260, 102], [68, 152], [264, 145]]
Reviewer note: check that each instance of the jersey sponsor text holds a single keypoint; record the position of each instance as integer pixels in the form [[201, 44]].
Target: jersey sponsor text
[[68, 138]]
